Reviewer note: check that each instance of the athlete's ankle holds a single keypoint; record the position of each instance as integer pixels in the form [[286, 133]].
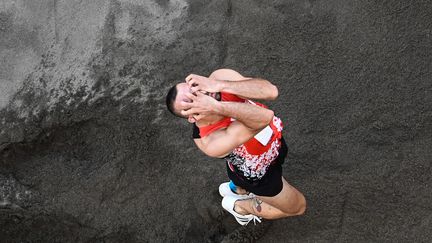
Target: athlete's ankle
[[241, 191]]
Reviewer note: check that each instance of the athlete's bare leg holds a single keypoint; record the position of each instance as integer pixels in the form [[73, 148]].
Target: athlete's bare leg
[[241, 191], [289, 202]]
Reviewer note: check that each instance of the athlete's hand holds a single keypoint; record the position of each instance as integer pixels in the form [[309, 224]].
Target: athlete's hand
[[201, 105], [201, 83]]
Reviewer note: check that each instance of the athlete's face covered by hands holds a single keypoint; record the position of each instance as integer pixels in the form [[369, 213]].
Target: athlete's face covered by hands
[[195, 106], [201, 105]]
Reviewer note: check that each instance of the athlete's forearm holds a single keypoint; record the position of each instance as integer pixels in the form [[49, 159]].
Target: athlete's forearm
[[252, 116], [254, 88]]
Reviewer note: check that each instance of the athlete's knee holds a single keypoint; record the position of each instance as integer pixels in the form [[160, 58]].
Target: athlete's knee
[[302, 205], [298, 207]]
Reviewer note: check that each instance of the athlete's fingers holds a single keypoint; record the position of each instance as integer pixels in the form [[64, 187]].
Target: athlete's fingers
[[190, 77], [195, 89], [192, 81], [200, 94], [192, 119], [198, 117], [188, 112], [191, 96], [203, 92], [184, 113], [187, 105]]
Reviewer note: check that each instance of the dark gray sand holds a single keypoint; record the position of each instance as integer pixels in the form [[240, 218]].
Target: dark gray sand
[[89, 154]]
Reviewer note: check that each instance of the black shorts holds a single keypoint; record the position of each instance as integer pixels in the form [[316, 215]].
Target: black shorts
[[270, 184]]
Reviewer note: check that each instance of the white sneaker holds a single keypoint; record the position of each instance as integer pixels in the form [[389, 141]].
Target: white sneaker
[[225, 190], [228, 204]]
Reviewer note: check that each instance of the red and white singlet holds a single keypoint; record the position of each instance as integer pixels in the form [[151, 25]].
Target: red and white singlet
[[252, 158]]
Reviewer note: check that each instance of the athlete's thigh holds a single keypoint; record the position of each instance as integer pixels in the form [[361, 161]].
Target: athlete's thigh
[[226, 74], [288, 200]]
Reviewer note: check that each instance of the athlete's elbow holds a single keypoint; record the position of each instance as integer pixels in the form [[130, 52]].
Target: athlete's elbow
[[214, 153], [302, 206], [274, 92], [270, 116], [266, 119], [271, 91]]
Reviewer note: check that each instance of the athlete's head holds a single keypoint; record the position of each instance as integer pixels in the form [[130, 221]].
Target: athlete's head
[[176, 94]]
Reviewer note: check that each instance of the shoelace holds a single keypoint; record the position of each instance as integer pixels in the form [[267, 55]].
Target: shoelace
[[256, 218], [247, 220]]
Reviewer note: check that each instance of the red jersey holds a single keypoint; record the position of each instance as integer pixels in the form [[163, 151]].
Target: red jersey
[[252, 158]]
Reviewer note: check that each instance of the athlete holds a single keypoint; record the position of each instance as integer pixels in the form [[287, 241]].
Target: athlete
[[247, 135]]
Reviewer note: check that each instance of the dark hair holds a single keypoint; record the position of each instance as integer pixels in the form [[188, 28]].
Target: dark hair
[[170, 98]]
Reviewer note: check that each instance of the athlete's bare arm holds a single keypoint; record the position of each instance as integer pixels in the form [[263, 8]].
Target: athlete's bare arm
[[221, 142], [252, 116], [221, 80], [250, 119]]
